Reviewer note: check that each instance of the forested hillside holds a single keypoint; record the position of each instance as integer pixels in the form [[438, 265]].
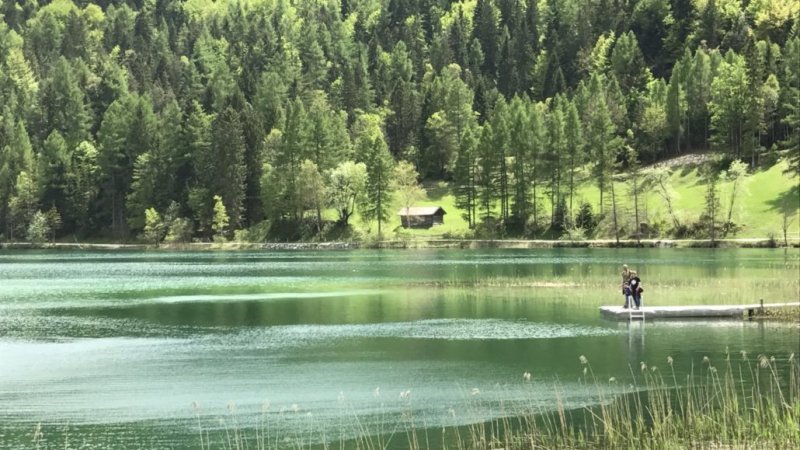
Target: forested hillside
[[193, 119]]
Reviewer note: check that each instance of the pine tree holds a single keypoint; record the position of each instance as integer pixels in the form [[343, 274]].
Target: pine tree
[[520, 152], [289, 147], [229, 170], [574, 149], [173, 152], [635, 188], [451, 104], [585, 219], [708, 31], [698, 89], [144, 188], [52, 173], [600, 133], [487, 178], [676, 110], [16, 156], [507, 72], [539, 142], [63, 104], [219, 225], [501, 134], [154, 229], [312, 190], [327, 134], [485, 30], [54, 222], [404, 101], [371, 149], [39, 229], [22, 205], [82, 188], [730, 104], [465, 176], [554, 159], [197, 134], [129, 129], [628, 64], [711, 211]]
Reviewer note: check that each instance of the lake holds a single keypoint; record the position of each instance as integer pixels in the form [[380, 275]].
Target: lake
[[144, 349]]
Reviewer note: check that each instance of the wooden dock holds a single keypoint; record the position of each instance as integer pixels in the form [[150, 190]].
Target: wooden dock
[[675, 312]]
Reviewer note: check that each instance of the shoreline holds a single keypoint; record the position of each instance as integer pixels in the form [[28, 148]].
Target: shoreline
[[412, 244]]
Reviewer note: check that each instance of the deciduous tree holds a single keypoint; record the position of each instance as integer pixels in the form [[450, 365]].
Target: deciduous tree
[[406, 187]]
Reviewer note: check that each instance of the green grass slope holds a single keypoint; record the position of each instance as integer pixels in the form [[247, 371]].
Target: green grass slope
[[758, 210]]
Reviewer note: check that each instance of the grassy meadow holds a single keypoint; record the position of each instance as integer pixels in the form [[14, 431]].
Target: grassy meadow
[[758, 211]]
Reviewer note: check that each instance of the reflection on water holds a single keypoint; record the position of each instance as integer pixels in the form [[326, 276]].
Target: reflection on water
[[115, 347]]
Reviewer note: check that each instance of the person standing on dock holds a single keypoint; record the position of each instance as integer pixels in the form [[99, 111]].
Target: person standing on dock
[[636, 289], [626, 278]]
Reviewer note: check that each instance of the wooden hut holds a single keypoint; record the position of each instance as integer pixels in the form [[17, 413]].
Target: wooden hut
[[421, 216]]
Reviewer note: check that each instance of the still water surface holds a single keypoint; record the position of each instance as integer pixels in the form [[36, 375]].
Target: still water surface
[[113, 349]]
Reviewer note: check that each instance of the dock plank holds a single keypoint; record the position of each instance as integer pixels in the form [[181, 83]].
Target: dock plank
[[664, 312]]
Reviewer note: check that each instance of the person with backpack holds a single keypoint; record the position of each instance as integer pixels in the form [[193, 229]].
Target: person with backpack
[[626, 288], [636, 289]]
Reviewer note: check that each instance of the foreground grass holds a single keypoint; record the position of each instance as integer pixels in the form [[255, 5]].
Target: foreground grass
[[740, 403]]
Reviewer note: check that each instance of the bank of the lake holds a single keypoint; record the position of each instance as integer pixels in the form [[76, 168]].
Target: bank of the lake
[[421, 243]]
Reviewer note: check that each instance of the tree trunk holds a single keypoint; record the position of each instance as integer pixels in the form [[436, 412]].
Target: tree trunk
[[571, 185], [535, 210], [730, 207], [379, 206], [113, 204], [614, 212], [601, 197], [319, 220], [552, 202], [636, 209], [668, 200], [688, 133], [473, 199]]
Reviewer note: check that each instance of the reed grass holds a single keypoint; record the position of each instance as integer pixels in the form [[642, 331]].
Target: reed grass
[[775, 284], [736, 402], [787, 314]]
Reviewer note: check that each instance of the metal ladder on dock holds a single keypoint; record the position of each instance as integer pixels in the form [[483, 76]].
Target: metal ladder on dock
[[636, 313]]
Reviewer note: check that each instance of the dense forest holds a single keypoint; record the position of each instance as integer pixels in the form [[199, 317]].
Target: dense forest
[[191, 119]]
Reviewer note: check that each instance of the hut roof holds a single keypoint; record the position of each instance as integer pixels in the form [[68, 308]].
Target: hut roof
[[421, 211]]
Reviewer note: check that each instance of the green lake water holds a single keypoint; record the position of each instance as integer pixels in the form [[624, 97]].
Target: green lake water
[[140, 349]]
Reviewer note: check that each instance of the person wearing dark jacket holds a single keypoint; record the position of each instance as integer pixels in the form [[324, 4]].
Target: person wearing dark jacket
[[626, 287], [636, 289]]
